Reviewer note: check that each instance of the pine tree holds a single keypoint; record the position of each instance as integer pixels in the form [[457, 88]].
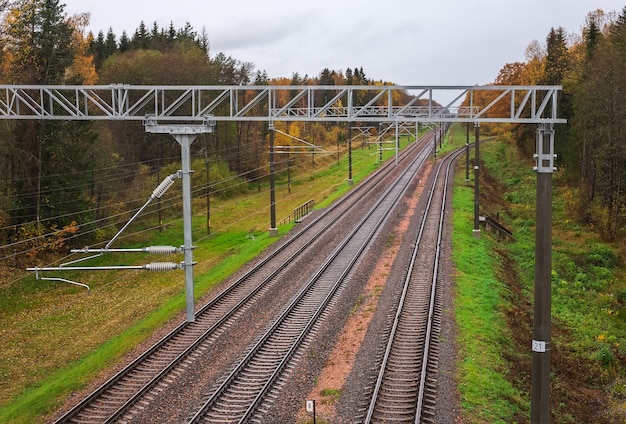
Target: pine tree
[[557, 60], [141, 38], [97, 49], [110, 44], [38, 41], [125, 42]]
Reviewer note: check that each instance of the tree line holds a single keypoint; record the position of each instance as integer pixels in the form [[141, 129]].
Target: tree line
[[591, 147], [66, 178], [62, 179]]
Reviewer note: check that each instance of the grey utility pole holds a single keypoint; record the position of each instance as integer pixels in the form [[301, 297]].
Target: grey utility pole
[[467, 149], [350, 181], [273, 229], [185, 134], [541, 342], [476, 230]]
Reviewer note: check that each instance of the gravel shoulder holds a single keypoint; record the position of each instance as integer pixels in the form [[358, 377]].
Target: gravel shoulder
[[348, 375]]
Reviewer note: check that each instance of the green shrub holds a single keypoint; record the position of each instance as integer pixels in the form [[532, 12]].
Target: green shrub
[[602, 256], [605, 356]]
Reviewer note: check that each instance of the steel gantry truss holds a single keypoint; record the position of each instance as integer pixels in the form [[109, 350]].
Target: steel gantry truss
[[186, 104], [186, 111]]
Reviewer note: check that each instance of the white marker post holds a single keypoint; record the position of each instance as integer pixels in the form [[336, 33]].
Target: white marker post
[[310, 408]]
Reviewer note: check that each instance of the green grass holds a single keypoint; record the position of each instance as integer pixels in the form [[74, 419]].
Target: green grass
[[330, 396], [486, 395], [55, 338], [588, 327]]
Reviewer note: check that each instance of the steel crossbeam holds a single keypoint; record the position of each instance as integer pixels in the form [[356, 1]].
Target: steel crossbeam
[[196, 104]]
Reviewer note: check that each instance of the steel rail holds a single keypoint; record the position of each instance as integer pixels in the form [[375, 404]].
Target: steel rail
[[377, 412], [335, 268], [348, 201], [434, 286]]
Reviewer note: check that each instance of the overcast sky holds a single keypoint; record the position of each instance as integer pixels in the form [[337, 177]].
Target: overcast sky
[[408, 42]]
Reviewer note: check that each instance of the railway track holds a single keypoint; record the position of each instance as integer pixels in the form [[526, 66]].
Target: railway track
[[237, 398], [405, 390], [130, 389]]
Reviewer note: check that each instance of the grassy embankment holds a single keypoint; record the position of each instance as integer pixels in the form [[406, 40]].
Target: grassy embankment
[[55, 337], [495, 285]]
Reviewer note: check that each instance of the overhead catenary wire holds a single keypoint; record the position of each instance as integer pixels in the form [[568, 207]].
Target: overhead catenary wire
[[104, 197], [201, 189], [174, 200], [122, 275]]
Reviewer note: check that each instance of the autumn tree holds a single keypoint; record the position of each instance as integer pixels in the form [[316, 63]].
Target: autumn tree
[[38, 42], [83, 68], [42, 159], [599, 124]]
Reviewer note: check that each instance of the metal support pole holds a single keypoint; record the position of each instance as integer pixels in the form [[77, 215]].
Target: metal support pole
[[185, 134], [441, 135], [435, 140], [289, 172], [350, 181], [208, 186], [476, 230], [467, 149], [185, 141], [397, 142], [273, 229], [338, 150], [541, 341]]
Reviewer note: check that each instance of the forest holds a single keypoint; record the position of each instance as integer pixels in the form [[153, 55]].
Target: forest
[[76, 182], [591, 147]]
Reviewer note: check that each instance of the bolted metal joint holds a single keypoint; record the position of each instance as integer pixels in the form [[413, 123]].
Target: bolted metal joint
[[209, 121], [545, 149], [149, 120], [184, 265]]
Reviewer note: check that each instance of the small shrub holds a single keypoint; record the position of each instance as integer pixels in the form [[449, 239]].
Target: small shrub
[[602, 256], [605, 356]]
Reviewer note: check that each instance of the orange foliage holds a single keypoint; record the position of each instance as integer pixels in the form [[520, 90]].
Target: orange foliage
[[39, 242], [83, 69]]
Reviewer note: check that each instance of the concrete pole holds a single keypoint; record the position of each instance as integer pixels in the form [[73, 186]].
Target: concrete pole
[[273, 228], [467, 150], [476, 230], [185, 141], [541, 341]]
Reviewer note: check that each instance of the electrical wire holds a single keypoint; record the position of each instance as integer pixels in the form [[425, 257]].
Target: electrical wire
[[240, 178], [259, 212]]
